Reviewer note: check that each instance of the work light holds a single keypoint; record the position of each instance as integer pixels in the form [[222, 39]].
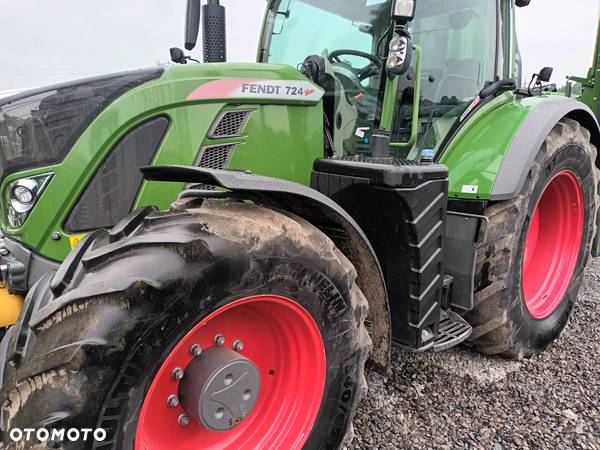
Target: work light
[[399, 56], [21, 197], [404, 10]]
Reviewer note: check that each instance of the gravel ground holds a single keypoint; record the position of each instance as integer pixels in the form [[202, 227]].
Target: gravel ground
[[460, 399]]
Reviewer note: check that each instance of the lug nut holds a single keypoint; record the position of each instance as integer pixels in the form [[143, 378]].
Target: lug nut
[[173, 401], [177, 373], [183, 420], [195, 350], [219, 339], [238, 345]]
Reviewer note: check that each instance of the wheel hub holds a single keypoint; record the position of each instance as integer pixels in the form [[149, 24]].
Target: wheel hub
[[219, 388], [256, 334]]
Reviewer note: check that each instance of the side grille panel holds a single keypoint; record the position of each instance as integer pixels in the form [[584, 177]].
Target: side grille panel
[[229, 124], [111, 194]]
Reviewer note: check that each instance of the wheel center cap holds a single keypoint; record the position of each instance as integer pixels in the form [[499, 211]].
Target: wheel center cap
[[219, 388]]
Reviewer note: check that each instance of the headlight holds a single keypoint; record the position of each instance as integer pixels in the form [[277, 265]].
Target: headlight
[[23, 193], [21, 197]]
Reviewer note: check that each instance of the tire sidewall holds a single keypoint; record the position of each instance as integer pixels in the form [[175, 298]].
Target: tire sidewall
[[290, 279], [538, 333]]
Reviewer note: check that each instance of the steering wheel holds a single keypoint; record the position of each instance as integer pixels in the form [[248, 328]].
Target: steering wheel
[[368, 71]]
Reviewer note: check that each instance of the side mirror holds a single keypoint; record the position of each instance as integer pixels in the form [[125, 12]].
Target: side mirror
[[545, 75], [400, 56], [177, 56], [192, 23], [403, 11]]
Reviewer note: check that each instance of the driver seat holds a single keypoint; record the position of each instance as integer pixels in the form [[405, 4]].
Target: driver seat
[[339, 115]]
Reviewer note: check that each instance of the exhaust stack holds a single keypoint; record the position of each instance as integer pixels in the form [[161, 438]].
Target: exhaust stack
[[213, 32]]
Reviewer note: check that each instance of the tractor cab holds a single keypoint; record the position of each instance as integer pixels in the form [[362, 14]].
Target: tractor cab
[[458, 51]]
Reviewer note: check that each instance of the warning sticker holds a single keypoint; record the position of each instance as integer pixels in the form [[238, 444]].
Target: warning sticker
[[470, 189], [74, 240]]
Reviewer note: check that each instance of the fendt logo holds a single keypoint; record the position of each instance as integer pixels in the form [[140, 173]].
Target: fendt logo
[[270, 89], [287, 90]]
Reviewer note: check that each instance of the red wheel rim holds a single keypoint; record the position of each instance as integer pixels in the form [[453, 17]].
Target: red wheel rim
[[552, 245], [284, 343]]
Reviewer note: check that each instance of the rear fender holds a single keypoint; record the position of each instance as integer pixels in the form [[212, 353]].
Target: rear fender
[[490, 157], [530, 137], [322, 213]]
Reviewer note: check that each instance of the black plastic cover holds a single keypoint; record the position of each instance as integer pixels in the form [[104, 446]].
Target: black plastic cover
[[39, 127], [386, 172], [111, 194], [401, 207]]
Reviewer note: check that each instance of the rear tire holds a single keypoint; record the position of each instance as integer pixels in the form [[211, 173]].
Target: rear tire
[[97, 351], [508, 317]]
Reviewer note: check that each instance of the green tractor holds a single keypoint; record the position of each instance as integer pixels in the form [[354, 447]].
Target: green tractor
[[378, 175]]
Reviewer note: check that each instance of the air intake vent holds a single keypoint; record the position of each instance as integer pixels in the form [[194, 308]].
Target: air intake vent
[[229, 124], [215, 157]]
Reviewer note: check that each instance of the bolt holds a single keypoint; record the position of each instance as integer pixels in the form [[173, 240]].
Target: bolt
[[56, 236], [177, 373], [4, 252], [173, 401], [195, 350], [235, 422], [219, 339], [238, 346], [183, 420]]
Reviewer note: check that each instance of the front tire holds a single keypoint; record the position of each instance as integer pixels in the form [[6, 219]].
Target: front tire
[[105, 351], [530, 269]]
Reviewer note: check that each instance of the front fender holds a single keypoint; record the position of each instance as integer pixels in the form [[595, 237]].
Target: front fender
[[322, 213]]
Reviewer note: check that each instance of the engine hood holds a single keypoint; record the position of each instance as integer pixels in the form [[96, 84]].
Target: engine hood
[[246, 82]]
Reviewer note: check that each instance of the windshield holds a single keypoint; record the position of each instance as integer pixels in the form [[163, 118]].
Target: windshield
[[349, 35], [317, 27], [459, 57], [459, 45]]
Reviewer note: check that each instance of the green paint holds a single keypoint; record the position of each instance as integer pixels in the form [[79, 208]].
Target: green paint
[[389, 103], [281, 140], [476, 153]]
